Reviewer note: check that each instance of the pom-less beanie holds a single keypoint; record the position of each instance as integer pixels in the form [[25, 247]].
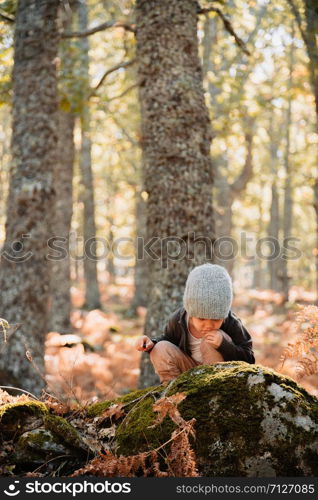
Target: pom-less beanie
[[208, 292]]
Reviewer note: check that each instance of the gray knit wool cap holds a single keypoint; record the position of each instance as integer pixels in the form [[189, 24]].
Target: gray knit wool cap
[[208, 292]]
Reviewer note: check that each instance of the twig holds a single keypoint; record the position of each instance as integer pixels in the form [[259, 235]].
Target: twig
[[228, 26], [100, 27], [125, 92], [109, 71], [51, 460], [18, 389], [8, 334]]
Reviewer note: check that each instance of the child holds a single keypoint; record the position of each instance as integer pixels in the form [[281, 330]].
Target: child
[[203, 331]]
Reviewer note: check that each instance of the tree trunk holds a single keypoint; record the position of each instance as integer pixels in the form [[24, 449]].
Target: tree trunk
[[309, 35], [227, 193], [110, 265], [273, 234], [61, 276], [92, 295], [141, 269], [288, 199], [176, 136], [273, 230], [25, 269], [223, 222]]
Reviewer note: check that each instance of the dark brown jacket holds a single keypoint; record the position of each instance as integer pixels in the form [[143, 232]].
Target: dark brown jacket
[[176, 331]]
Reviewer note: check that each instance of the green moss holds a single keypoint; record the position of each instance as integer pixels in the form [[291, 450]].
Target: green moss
[[14, 417], [64, 430], [12, 410], [231, 403], [137, 432], [35, 440], [96, 409], [38, 446]]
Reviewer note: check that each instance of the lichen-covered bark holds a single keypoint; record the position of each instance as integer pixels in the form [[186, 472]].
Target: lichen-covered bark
[[25, 270], [60, 307], [176, 139]]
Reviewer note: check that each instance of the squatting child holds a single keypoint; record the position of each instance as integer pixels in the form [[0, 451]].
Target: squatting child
[[203, 331]]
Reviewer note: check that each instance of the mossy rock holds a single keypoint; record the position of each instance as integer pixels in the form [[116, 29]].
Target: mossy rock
[[38, 446], [250, 421], [64, 431], [54, 438], [17, 418], [96, 409]]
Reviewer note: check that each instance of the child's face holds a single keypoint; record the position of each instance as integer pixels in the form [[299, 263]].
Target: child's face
[[204, 326]]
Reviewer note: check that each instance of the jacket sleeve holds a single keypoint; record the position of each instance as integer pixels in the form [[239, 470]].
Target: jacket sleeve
[[241, 348]]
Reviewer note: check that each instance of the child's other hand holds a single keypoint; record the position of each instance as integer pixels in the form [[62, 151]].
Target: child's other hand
[[214, 338], [144, 343]]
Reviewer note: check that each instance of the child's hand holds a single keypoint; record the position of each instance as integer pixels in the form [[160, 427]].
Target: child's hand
[[144, 343], [214, 338]]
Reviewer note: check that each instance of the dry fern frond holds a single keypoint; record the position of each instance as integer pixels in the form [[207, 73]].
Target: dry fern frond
[[107, 464], [307, 366], [307, 321], [168, 406], [57, 406], [182, 459], [115, 410]]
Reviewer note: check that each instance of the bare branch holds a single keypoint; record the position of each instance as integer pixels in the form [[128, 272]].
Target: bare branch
[[228, 26], [125, 92], [7, 18], [109, 71], [100, 27]]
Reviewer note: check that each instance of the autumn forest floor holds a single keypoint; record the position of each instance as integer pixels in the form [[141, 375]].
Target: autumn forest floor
[[98, 361]]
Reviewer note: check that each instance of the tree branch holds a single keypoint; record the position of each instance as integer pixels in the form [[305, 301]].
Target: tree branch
[[109, 71], [125, 92], [7, 18], [228, 26], [298, 20], [100, 27]]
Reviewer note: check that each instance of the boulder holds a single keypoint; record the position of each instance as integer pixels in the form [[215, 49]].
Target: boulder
[[250, 421]]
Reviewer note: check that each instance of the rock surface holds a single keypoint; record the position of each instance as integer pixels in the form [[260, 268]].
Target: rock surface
[[250, 421]]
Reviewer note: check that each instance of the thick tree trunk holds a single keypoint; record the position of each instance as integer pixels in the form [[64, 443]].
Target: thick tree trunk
[[63, 176], [309, 35], [176, 140], [92, 295], [25, 269]]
